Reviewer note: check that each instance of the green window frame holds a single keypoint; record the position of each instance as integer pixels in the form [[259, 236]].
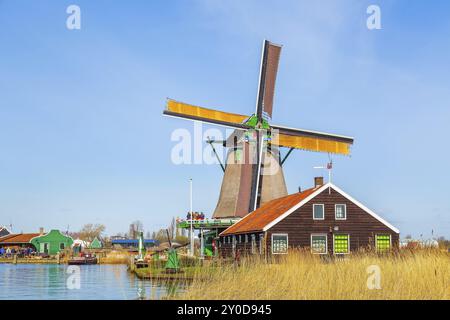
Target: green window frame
[[319, 243], [383, 242], [341, 243], [280, 243]]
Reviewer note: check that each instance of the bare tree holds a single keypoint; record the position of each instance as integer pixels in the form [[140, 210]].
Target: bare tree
[[172, 228], [91, 231], [135, 228]]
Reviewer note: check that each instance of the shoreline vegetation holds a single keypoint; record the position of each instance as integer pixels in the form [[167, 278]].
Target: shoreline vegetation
[[104, 257], [405, 275]]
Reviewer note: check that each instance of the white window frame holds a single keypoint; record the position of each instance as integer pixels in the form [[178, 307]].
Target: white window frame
[[335, 211], [287, 243], [323, 207], [342, 234], [246, 238], [326, 242]]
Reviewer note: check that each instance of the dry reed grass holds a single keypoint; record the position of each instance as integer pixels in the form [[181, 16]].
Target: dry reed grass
[[423, 274], [116, 257]]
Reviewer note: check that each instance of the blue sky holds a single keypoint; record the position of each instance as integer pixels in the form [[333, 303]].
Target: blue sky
[[82, 138]]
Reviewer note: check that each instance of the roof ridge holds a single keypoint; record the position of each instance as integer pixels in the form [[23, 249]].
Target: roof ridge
[[269, 211]]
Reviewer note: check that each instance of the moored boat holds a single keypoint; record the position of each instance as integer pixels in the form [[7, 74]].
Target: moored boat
[[83, 260]]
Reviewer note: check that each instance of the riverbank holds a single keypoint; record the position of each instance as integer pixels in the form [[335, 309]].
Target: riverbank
[[110, 257], [421, 275], [29, 261], [160, 274]]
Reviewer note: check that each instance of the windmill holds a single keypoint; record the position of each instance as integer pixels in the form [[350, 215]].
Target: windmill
[[253, 171]]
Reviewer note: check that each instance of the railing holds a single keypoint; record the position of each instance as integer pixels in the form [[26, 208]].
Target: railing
[[207, 223]]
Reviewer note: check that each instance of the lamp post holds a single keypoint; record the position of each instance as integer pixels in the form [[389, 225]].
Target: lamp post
[[191, 216]]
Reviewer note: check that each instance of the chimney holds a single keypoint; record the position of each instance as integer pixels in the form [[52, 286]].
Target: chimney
[[318, 182], [41, 231]]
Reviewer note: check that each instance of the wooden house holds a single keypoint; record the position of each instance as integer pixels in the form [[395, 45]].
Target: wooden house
[[52, 242], [18, 241], [324, 219], [96, 244]]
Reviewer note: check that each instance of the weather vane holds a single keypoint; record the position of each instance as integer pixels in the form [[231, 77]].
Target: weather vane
[[329, 167]]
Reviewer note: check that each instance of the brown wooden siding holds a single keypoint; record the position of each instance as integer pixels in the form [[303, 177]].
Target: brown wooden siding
[[244, 248], [299, 225], [360, 225]]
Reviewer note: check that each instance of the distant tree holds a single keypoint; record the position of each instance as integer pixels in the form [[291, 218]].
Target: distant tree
[[443, 243], [408, 236], [91, 231], [172, 228], [178, 231], [161, 235], [181, 239], [135, 228]]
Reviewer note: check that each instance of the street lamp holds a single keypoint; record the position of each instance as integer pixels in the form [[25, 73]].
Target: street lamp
[[191, 214]]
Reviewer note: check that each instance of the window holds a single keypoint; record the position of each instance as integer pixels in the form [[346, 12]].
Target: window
[[341, 243], [383, 242], [246, 238], [279, 243], [319, 243], [318, 212], [61, 246], [340, 211], [239, 239]]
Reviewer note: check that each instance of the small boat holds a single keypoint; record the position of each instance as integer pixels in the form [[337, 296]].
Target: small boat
[[141, 264], [85, 259]]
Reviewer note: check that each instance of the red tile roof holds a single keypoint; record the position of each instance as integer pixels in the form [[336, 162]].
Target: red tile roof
[[18, 238], [256, 221]]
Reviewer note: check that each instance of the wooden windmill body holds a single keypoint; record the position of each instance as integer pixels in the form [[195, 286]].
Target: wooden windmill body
[[253, 172]]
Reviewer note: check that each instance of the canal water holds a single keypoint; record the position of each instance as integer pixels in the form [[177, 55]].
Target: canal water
[[91, 282]]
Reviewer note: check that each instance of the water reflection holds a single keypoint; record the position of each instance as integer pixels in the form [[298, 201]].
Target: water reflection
[[104, 282]]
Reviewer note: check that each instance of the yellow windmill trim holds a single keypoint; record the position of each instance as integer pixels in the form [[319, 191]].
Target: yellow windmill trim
[[312, 144], [192, 110]]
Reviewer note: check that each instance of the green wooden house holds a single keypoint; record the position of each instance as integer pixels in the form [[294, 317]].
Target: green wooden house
[[52, 243], [95, 244]]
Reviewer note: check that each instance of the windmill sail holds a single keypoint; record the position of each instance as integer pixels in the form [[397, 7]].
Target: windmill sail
[[253, 171], [264, 105], [186, 111], [311, 140], [267, 78]]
